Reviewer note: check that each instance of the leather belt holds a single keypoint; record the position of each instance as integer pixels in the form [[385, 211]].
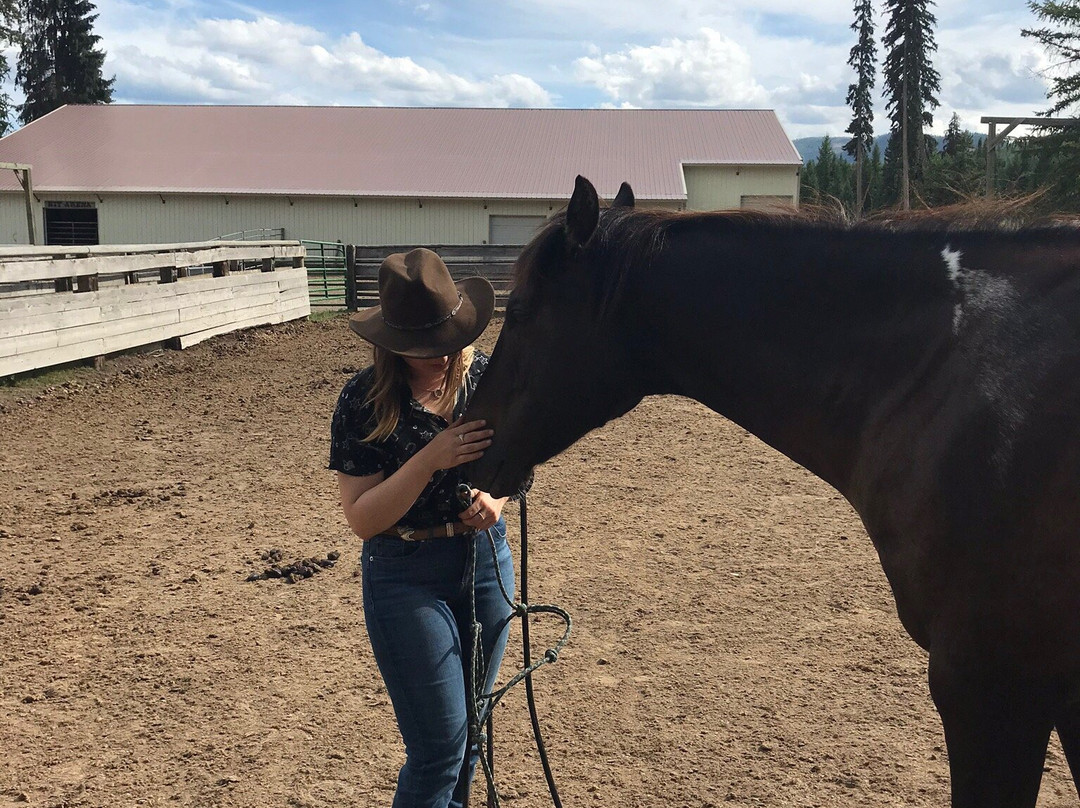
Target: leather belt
[[424, 533]]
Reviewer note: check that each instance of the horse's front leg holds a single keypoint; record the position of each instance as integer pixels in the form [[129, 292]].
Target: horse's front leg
[[997, 726]]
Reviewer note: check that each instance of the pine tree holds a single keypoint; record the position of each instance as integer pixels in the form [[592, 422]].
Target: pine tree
[[875, 194], [9, 37], [863, 58], [910, 84], [956, 140], [808, 189], [826, 168], [1063, 42], [891, 170], [60, 62], [1053, 159]]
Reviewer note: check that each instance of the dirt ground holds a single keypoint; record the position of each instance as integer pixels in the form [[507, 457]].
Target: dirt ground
[[735, 641]]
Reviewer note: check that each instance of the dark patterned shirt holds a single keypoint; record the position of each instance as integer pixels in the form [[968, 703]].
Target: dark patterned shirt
[[353, 420]]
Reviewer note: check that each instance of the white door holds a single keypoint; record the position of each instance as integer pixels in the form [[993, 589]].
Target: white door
[[513, 229]]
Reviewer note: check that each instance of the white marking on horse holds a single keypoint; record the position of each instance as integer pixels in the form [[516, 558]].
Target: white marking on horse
[[986, 315], [952, 261], [978, 294], [952, 258]]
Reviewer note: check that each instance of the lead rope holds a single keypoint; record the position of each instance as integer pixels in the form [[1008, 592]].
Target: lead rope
[[480, 706]]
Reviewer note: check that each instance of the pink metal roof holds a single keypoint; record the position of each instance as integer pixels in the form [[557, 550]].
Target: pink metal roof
[[385, 151]]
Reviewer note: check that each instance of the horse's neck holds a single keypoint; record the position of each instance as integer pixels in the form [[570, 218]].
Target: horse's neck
[[799, 337]]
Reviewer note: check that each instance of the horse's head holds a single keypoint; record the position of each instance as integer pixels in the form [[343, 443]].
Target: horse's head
[[561, 366]]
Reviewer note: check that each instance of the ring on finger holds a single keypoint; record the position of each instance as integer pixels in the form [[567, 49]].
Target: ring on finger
[[461, 438]]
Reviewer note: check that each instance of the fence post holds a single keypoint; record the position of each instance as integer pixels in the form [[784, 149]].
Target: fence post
[[351, 302]]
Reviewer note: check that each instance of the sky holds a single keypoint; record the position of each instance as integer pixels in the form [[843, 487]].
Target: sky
[[786, 55]]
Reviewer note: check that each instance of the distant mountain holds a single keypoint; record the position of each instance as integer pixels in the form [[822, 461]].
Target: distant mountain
[[810, 146]]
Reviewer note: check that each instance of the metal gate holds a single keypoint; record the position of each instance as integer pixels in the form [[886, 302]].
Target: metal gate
[[325, 262]]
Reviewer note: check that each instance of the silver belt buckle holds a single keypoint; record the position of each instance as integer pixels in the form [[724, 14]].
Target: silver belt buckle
[[449, 530], [406, 533]]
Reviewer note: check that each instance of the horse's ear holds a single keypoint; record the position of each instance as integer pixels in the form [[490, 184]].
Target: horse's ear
[[582, 214], [625, 197]]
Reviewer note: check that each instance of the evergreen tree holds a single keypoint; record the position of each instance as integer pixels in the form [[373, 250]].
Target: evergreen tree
[[1053, 158], [910, 82], [60, 62], [808, 182], [828, 179], [826, 167], [1061, 38], [954, 174], [891, 170], [875, 194], [863, 58], [9, 37], [956, 142]]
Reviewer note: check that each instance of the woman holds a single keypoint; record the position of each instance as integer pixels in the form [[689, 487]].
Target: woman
[[397, 442]]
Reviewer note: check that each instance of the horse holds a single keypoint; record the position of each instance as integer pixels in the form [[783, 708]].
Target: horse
[[929, 371]]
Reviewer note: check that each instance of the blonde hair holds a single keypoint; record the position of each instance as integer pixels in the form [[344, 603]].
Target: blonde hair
[[392, 379]]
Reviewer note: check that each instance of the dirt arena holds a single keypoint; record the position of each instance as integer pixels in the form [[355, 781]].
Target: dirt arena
[[735, 641]]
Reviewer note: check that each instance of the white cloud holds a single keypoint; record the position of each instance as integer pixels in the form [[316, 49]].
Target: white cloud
[[784, 54], [709, 70], [157, 56]]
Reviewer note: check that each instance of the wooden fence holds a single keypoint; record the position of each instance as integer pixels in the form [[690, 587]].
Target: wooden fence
[[494, 262], [62, 304]]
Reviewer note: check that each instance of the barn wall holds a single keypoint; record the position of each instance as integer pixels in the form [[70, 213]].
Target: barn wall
[[723, 187], [13, 219], [146, 219]]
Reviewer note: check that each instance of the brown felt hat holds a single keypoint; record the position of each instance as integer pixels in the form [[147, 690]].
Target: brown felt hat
[[422, 312]]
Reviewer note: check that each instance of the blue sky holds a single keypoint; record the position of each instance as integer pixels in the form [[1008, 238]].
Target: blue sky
[[788, 55]]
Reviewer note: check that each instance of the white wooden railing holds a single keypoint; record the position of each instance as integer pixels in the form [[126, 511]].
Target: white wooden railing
[[62, 304]]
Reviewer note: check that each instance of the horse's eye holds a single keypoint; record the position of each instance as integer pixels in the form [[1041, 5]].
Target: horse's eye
[[515, 313]]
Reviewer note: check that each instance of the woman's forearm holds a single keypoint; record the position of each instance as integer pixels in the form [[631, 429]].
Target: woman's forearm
[[379, 508]]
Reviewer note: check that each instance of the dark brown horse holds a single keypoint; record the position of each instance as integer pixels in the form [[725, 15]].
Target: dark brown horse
[[931, 374]]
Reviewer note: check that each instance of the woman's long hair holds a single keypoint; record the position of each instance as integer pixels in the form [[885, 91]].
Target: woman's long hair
[[392, 382]]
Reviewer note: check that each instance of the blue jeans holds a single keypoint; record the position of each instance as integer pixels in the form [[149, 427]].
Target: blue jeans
[[417, 612]]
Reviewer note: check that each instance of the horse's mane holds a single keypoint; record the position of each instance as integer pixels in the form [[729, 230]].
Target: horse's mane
[[630, 237]]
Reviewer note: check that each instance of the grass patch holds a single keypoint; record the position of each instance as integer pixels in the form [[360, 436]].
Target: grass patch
[[326, 314], [47, 377]]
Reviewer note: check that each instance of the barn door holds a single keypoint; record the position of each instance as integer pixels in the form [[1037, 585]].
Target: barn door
[[69, 223], [513, 230]]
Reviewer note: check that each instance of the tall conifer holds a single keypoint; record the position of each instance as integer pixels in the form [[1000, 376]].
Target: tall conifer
[[863, 58], [1061, 38], [1057, 149], [910, 84], [9, 36], [60, 62]]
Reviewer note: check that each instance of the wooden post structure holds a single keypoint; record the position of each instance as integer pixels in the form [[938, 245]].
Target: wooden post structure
[[995, 139], [22, 173], [351, 301]]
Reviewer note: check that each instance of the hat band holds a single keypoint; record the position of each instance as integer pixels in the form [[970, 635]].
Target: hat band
[[426, 326]]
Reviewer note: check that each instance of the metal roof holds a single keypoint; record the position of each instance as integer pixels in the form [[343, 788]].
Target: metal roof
[[385, 151]]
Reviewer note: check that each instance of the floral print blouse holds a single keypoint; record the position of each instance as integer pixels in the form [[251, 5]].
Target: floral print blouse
[[353, 419]]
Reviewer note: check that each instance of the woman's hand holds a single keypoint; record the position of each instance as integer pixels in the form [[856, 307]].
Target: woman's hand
[[484, 511], [461, 442]]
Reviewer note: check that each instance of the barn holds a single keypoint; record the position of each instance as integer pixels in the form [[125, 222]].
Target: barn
[[126, 174]]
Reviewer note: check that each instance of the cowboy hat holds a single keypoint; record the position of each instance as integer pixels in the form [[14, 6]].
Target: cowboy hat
[[422, 313]]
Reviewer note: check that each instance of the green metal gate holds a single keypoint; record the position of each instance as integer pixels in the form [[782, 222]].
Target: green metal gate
[[325, 262]]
